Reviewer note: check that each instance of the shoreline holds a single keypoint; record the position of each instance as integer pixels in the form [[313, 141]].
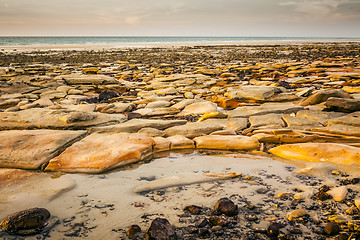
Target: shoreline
[[97, 47]]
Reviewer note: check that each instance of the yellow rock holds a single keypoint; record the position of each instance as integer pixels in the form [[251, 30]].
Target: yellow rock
[[226, 142], [337, 219], [101, 152], [90, 70], [180, 142], [212, 115], [349, 89], [319, 152], [357, 203], [296, 214], [338, 193], [281, 195]]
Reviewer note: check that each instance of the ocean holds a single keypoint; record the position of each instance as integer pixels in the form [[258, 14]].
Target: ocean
[[91, 40]]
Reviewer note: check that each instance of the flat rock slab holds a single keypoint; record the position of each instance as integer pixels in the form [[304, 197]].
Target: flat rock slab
[[292, 121], [343, 104], [55, 119], [191, 130], [259, 93], [350, 119], [340, 129], [266, 120], [100, 152], [79, 79], [199, 108], [323, 95], [263, 109], [135, 125], [227, 142], [319, 116], [319, 152], [235, 124], [30, 149], [9, 177]]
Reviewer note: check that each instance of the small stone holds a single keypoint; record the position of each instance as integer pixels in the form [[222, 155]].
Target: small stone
[[357, 203], [133, 230], [218, 221], [296, 214], [338, 193], [203, 231], [322, 196], [226, 206], [251, 217], [202, 223], [27, 222], [193, 209], [274, 229], [294, 230], [216, 228], [343, 236], [352, 210], [332, 228], [191, 229], [160, 229]]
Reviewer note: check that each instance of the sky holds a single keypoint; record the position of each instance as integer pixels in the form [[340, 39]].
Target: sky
[[259, 18]]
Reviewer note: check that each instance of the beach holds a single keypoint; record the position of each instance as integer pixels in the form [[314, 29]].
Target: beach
[[111, 138]]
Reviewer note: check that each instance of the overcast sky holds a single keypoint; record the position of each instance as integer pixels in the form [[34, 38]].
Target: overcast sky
[[293, 18]]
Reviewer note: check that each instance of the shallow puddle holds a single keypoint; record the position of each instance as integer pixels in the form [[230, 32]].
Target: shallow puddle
[[103, 206]]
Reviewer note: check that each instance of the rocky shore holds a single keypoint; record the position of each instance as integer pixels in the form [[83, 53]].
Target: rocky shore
[[105, 112]]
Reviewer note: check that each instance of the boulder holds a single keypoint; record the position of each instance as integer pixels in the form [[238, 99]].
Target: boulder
[[31, 149], [226, 142], [27, 222], [319, 152], [100, 152]]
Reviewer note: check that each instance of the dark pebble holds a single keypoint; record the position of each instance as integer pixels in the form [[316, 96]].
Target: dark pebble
[[133, 230], [193, 209], [295, 230], [227, 207], [160, 228], [274, 229], [202, 223], [332, 228], [203, 231]]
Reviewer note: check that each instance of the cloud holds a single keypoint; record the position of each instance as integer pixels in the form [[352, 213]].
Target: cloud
[[323, 8]]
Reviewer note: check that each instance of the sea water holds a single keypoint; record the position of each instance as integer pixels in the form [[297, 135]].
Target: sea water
[[92, 40]]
